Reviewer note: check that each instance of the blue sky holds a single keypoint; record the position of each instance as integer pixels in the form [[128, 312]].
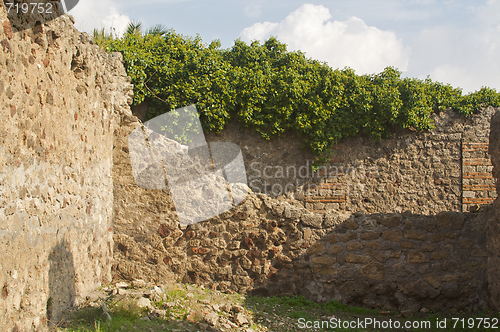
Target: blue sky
[[455, 42]]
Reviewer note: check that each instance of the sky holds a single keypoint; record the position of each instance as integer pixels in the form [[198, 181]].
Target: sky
[[454, 41]]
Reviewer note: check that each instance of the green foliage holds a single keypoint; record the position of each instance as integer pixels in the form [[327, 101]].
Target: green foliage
[[275, 91], [133, 28], [102, 36], [473, 101]]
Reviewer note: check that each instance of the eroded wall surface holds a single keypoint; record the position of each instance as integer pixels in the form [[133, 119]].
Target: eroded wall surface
[[267, 246], [493, 226], [59, 99], [445, 169]]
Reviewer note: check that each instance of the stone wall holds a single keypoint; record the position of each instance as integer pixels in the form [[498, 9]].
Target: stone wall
[[59, 98], [493, 226], [268, 246], [271, 247], [445, 169], [66, 179]]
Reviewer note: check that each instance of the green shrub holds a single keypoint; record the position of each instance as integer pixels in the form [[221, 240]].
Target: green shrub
[[275, 91]]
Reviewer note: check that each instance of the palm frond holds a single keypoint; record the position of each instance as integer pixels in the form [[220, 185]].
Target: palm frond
[[133, 28], [158, 30]]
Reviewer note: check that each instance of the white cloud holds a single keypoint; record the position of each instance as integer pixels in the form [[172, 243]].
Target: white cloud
[[466, 58], [349, 43], [90, 14]]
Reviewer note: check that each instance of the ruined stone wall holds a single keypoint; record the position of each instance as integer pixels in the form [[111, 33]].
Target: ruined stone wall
[[267, 246], [493, 226], [59, 99], [270, 247], [445, 169]]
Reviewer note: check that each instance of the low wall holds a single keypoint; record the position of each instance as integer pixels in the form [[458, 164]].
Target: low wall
[[59, 95]]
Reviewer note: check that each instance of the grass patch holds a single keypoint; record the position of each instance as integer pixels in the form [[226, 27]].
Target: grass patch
[[185, 306], [287, 313], [125, 316], [287, 304]]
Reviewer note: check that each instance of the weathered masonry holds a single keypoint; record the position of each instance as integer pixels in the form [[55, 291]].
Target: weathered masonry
[[448, 169], [478, 183], [60, 96], [445, 169], [72, 218], [424, 255]]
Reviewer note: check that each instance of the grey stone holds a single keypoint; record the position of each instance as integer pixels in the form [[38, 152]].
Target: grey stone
[[121, 285], [241, 319], [144, 303], [313, 220], [333, 218], [211, 318], [139, 283]]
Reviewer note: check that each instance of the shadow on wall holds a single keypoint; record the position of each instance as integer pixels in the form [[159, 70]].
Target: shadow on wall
[[385, 261], [141, 110], [61, 282]]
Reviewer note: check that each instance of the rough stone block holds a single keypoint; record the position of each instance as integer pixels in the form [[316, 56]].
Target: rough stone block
[[312, 220], [372, 235], [394, 235], [407, 245], [351, 224], [377, 255], [428, 247], [437, 238], [432, 280], [325, 270], [449, 278], [417, 257], [375, 271], [415, 235], [354, 288], [453, 236], [292, 212], [465, 244], [334, 218], [316, 248], [349, 237], [334, 250], [333, 238], [373, 245], [357, 259], [392, 221], [324, 260], [439, 255], [354, 246]]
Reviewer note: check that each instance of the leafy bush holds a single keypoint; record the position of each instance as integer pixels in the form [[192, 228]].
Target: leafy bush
[[275, 91]]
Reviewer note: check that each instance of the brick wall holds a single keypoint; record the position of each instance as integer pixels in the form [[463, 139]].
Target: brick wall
[[478, 183]]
